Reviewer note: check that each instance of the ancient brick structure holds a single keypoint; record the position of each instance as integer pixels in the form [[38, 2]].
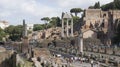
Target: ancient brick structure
[[104, 22], [25, 45], [7, 58]]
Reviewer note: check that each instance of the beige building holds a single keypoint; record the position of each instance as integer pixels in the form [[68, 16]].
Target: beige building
[[3, 24], [103, 22], [89, 33], [30, 27]]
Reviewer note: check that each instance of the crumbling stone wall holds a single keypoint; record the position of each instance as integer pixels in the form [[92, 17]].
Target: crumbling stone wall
[[94, 18], [7, 59]]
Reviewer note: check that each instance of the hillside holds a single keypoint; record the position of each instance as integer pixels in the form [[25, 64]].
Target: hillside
[[112, 5]]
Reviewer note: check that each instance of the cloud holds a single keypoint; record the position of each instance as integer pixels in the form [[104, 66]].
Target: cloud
[[15, 10], [80, 3], [31, 7], [36, 9], [24, 9], [71, 3], [5, 14]]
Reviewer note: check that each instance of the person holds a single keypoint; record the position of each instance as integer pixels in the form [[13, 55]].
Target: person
[[91, 63], [81, 60], [98, 64]]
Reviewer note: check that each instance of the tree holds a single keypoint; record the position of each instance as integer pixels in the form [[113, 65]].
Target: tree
[[46, 20], [55, 21], [9, 29], [112, 5], [58, 21], [91, 7], [15, 32], [76, 10], [2, 34], [97, 5], [38, 27], [76, 19], [116, 4], [108, 6]]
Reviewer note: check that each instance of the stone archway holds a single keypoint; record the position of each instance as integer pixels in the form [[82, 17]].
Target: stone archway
[[116, 25]]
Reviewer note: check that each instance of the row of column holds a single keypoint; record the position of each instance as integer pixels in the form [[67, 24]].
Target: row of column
[[67, 31]]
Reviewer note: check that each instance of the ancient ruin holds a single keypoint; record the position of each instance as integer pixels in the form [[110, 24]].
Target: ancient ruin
[[66, 26], [103, 23]]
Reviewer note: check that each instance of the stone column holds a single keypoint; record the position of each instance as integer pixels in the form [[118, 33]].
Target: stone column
[[105, 50], [72, 27], [106, 61], [80, 44], [67, 28], [62, 27], [25, 45], [24, 29], [118, 64], [81, 41], [113, 24]]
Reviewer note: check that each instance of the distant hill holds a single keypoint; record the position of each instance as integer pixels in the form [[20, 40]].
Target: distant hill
[[115, 5]]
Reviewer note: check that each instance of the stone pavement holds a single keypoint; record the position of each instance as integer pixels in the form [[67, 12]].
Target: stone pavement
[[78, 64]]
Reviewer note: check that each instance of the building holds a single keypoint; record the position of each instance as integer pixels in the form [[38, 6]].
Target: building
[[3, 24], [104, 22], [89, 33], [30, 27]]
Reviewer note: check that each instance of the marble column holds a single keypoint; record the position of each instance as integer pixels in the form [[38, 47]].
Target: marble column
[[113, 24], [67, 28], [62, 27], [72, 27], [80, 43]]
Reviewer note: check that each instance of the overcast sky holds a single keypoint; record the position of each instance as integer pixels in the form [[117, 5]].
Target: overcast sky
[[14, 11]]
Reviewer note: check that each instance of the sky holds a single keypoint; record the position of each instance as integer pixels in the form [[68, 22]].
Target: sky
[[14, 11]]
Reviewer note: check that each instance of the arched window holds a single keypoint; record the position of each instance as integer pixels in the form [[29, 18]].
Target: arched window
[[104, 15], [91, 25], [103, 23]]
